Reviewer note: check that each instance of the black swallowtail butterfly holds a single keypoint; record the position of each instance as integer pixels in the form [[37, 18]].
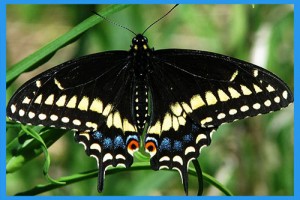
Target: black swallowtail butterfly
[[178, 97]]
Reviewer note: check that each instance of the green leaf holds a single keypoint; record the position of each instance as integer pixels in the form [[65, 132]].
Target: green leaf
[[43, 146], [19, 153], [80, 177], [94, 173]]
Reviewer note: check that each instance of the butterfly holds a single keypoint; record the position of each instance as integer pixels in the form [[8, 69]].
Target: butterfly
[[178, 97]]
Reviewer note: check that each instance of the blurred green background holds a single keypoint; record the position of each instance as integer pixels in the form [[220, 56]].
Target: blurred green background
[[249, 157]]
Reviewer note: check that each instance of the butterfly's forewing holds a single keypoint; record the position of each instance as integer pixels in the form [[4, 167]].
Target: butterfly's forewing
[[215, 89], [71, 94], [85, 95]]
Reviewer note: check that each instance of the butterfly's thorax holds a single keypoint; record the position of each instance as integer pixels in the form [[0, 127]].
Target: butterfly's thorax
[[141, 59]]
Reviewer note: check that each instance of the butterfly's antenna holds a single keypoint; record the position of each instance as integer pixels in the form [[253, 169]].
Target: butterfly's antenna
[[159, 19], [114, 23]]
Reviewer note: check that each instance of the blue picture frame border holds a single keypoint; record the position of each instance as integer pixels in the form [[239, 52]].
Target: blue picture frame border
[[3, 4]]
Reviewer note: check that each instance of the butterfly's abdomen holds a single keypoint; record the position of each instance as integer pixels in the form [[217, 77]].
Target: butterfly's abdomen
[[140, 102]]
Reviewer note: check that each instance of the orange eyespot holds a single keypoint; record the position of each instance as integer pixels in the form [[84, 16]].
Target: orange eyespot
[[132, 146], [150, 148]]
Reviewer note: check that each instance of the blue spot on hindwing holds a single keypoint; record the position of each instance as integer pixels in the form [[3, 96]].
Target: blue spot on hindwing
[[119, 142], [107, 143], [187, 138], [97, 135], [177, 145], [165, 144], [195, 128]]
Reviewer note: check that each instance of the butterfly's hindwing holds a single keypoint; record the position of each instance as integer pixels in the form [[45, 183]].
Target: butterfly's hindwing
[[172, 139]]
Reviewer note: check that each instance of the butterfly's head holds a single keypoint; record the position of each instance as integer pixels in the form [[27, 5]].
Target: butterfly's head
[[139, 43]]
